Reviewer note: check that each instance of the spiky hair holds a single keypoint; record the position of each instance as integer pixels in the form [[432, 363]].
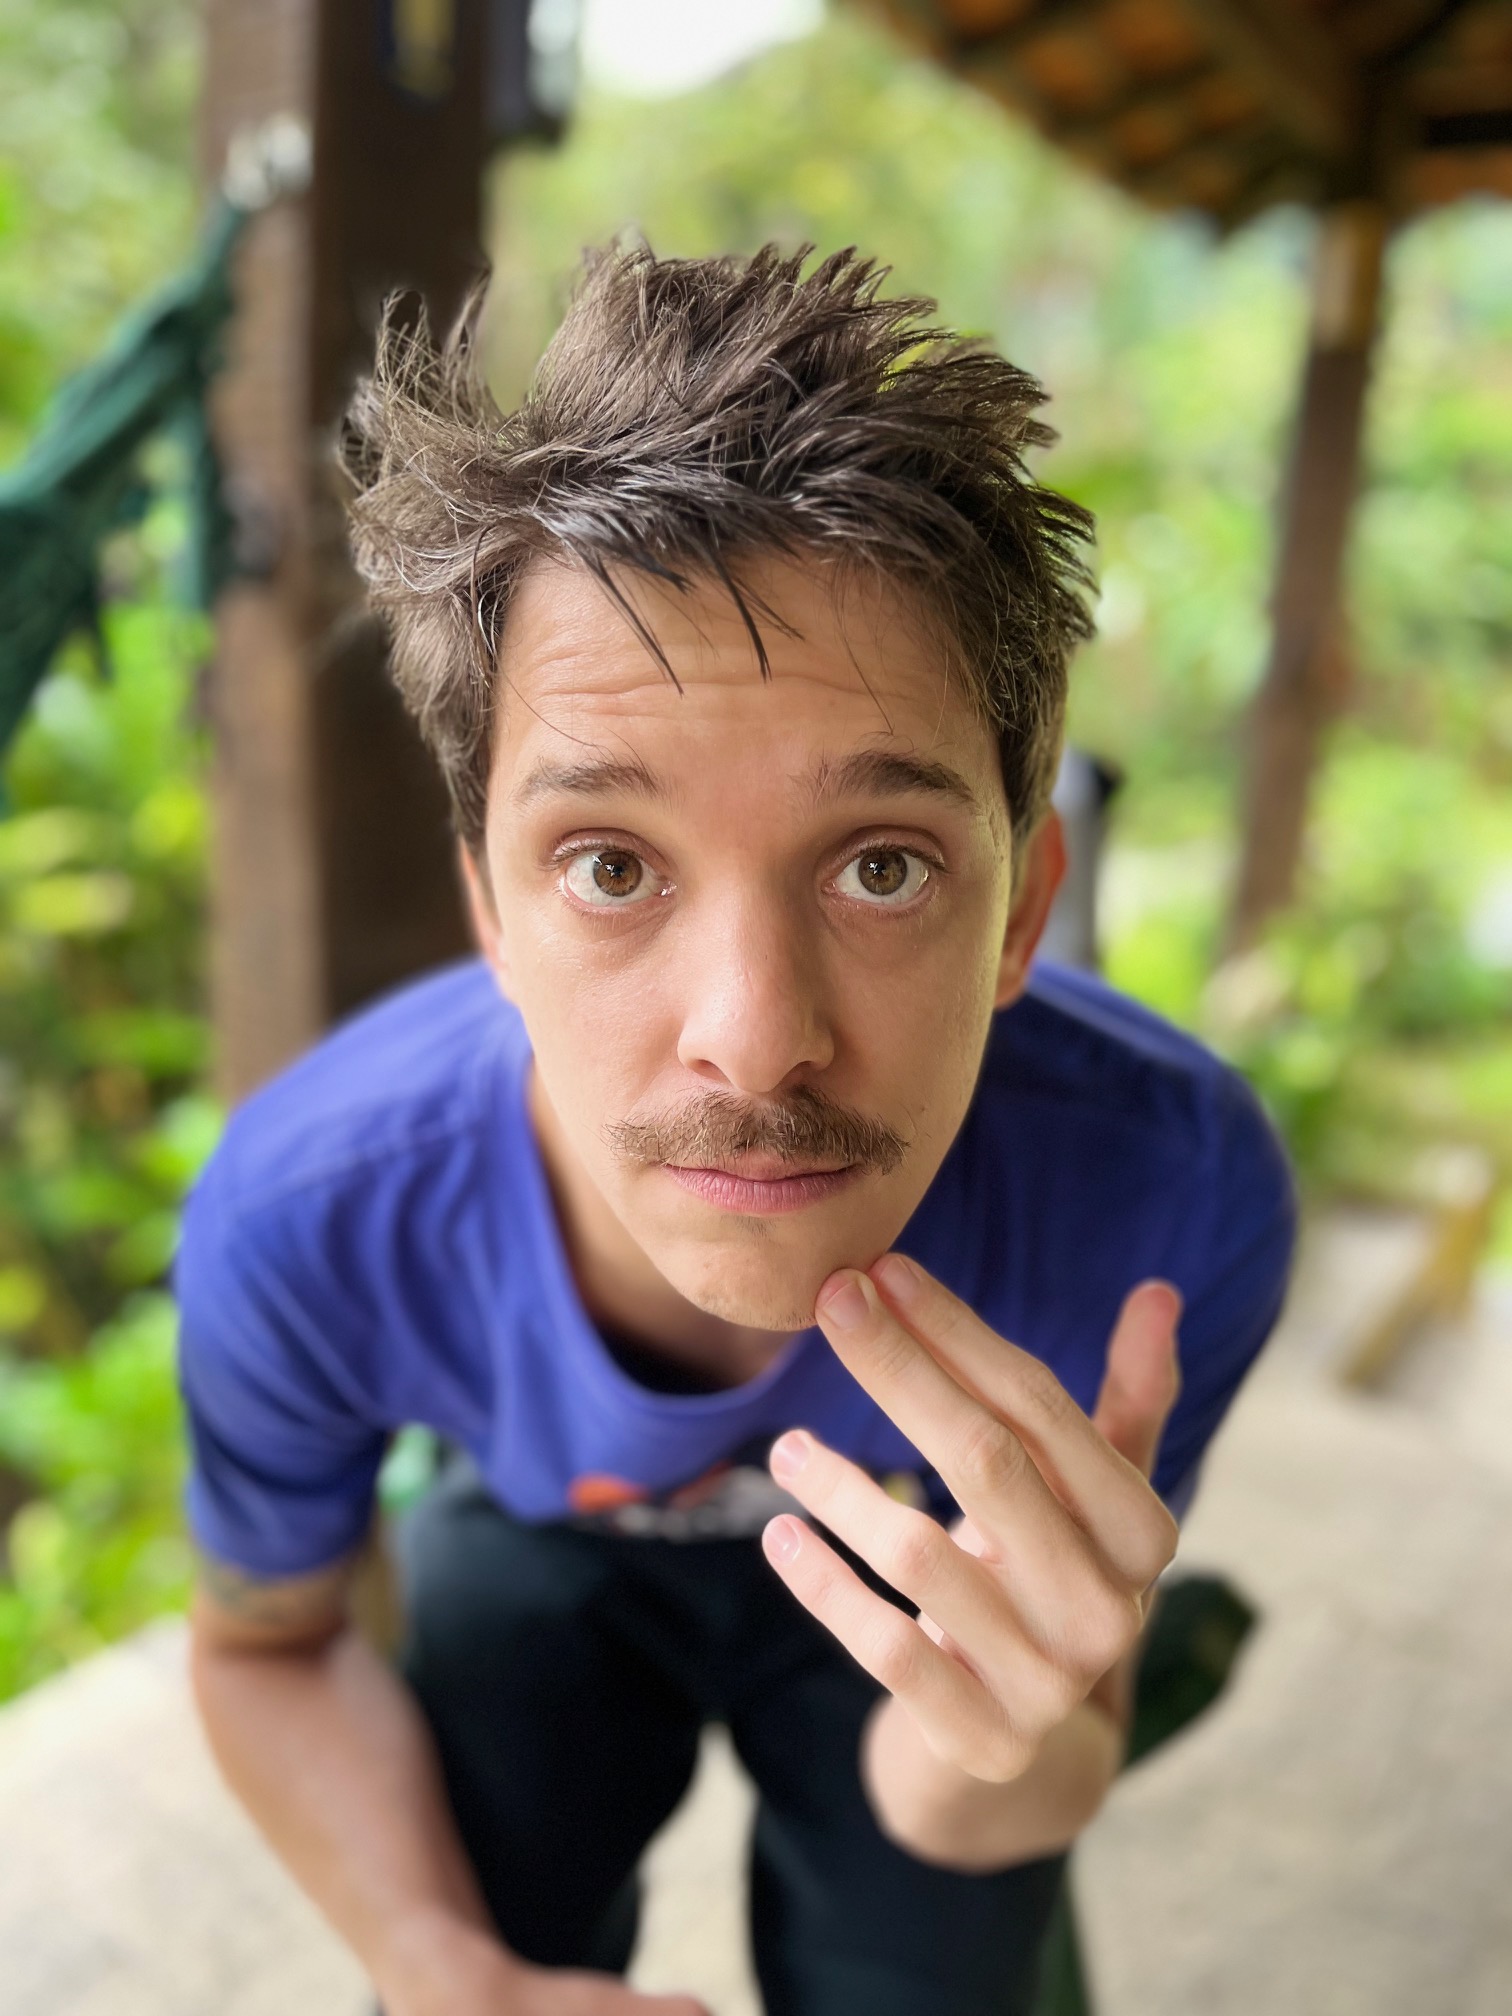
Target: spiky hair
[[688, 417]]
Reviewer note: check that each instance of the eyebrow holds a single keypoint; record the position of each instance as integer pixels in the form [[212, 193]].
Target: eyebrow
[[872, 773], [876, 773], [594, 777]]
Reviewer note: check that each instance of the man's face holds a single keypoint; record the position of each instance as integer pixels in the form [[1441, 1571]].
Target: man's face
[[754, 928]]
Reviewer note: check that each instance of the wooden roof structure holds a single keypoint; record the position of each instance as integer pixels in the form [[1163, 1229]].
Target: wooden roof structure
[[1229, 106]]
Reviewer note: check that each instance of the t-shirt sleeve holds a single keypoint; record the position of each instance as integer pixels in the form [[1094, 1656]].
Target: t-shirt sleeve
[[1244, 1240], [285, 1446]]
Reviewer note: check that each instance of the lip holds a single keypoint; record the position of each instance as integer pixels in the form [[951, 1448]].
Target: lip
[[763, 1196]]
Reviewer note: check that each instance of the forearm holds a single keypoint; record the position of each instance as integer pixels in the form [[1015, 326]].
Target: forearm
[[941, 1814], [332, 1759]]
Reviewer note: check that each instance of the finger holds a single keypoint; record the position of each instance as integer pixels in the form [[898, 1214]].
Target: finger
[[1092, 1627], [1143, 1375], [978, 1454], [956, 1715], [1093, 1480]]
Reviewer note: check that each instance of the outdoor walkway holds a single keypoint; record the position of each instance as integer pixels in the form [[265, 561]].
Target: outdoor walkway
[[1333, 1841]]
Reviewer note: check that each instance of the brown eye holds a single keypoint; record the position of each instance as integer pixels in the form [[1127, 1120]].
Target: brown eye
[[616, 874], [608, 876], [884, 875]]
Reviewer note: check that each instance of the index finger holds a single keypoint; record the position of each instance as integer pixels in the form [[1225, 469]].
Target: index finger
[[980, 1457], [1101, 1488]]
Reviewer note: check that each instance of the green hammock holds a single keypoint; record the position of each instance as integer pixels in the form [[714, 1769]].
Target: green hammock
[[82, 479]]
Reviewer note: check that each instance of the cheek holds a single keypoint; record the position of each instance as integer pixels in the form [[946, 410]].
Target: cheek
[[598, 1035], [917, 1037]]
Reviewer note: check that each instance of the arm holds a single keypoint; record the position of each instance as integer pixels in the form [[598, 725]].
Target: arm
[[327, 1751], [321, 1741], [323, 1746]]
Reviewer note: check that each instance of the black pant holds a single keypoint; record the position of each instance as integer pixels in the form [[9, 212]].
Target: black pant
[[565, 1675]]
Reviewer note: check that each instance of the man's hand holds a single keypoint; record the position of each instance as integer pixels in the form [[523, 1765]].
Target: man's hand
[[459, 1970], [1043, 1585], [558, 1994], [546, 1992]]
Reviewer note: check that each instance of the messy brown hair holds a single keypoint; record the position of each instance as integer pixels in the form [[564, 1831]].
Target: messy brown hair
[[688, 416]]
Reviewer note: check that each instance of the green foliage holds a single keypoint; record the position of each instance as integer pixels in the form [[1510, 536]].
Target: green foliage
[[103, 1043], [1393, 975], [101, 995], [100, 1549], [103, 1125], [96, 198]]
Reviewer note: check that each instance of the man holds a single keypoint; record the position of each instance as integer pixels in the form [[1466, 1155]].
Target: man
[[749, 1174]]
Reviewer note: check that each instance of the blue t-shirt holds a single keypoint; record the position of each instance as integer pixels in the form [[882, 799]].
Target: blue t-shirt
[[374, 1245]]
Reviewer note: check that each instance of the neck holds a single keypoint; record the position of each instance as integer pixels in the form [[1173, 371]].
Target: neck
[[622, 1293]]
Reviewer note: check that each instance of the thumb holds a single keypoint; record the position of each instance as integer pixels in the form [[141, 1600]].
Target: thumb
[[1143, 1375]]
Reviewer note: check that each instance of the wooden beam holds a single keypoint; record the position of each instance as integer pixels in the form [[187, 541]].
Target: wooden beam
[[1165, 178], [1296, 64], [1049, 17], [1284, 176], [1404, 34], [332, 864], [1490, 128], [994, 63], [1168, 93], [1305, 681]]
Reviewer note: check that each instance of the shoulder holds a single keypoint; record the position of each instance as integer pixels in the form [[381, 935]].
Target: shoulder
[[1112, 1074], [341, 1180], [398, 1081], [333, 1250], [1104, 1146]]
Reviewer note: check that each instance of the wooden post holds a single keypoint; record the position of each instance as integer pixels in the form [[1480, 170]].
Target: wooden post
[[1306, 680], [332, 864]]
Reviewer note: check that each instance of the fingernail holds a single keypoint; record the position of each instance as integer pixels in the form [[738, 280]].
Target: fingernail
[[898, 1276], [782, 1538], [789, 1453], [847, 1305]]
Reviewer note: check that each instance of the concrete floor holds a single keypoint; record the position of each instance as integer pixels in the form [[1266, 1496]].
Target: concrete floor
[[1333, 1840]]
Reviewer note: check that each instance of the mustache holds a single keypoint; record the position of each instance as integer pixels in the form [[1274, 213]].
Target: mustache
[[805, 1127]]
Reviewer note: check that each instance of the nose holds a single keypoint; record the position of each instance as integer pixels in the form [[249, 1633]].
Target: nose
[[754, 1009]]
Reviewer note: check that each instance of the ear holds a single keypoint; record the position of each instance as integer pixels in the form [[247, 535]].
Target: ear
[[1042, 868], [485, 917]]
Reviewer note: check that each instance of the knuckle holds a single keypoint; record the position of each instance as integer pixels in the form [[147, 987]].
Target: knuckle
[[1157, 1544], [1108, 1626], [990, 1459], [1007, 1754], [914, 1552], [996, 1751], [825, 1586], [895, 1652], [1053, 1679], [1044, 1391], [1061, 1686], [892, 1351]]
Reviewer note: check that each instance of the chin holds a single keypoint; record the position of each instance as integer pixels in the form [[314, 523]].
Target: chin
[[757, 1286], [757, 1309]]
